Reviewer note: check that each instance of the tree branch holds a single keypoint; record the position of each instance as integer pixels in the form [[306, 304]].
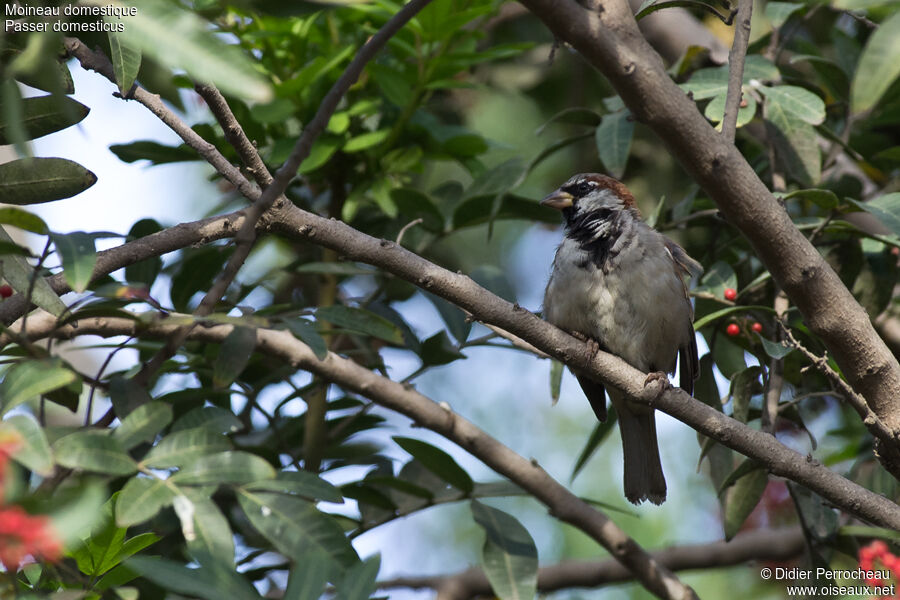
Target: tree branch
[[610, 40], [564, 505], [760, 545], [99, 62], [736, 68], [488, 308]]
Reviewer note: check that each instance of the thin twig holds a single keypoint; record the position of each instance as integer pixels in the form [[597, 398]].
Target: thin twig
[[775, 379], [736, 68], [873, 423], [409, 225]]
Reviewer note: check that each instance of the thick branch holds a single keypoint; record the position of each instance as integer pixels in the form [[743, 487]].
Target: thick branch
[[610, 40], [426, 413], [761, 545], [488, 308]]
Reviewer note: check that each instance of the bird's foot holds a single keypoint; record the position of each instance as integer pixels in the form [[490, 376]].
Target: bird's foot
[[592, 344], [660, 379]]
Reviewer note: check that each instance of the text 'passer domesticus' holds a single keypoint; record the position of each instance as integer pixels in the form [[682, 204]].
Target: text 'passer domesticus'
[[618, 282]]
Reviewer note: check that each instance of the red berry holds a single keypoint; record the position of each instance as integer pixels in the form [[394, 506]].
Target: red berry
[[730, 294], [732, 330], [5, 291], [757, 327]]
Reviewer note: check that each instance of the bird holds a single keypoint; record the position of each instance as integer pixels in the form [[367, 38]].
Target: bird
[[619, 285]]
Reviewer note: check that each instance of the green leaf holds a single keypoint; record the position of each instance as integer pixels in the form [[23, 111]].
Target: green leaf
[[742, 499], [598, 435], [308, 577], [225, 467], [38, 180], [414, 204], [23, 220], [556, 373], [878, 66], [179, 39], [30, 379], [34, 451], [823, 198], [366, 140], [719, 277], [158, 154], [335, 268], [78, 256], [296, 527], [11, 116], [74, 517], [306, 332], [183, 446], [20, 274], [147, 270], [98, 551], [142, 424], [211, 418], [776, 350], [439, 350], [575, 116], [747, 465], [200, 583], [358, 582], [141, 499], [126, 60], [779, 12], [93, 451], [885, 208], [509, 556], [362, 321], [869, 532], [613, 137], [796, 145], [796, 101], [211, 532], [322, 150], [301, 483], [715, 110], [744, 385], [499, 180], [41, 116], [234, 354], [438, 462]]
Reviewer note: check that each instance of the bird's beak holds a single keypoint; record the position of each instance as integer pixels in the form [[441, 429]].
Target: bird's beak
[[558, 200]]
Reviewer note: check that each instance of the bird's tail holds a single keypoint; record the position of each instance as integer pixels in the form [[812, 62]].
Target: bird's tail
[[644, 479]]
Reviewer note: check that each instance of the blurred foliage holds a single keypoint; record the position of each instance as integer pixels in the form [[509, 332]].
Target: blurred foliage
[[219, 467]]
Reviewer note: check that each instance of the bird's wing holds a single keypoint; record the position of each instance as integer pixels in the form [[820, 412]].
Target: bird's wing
[[689, 368]]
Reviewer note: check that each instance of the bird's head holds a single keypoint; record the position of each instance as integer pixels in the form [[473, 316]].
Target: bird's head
[[591, 197]]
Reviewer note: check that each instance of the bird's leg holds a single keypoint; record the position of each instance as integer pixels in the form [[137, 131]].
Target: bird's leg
[[658, 377], [592, 344]]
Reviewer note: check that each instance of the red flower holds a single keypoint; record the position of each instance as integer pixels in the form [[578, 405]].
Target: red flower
[[877, 557], [23, 536]]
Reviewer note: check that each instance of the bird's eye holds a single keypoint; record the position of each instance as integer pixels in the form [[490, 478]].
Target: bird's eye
[[584, 187]]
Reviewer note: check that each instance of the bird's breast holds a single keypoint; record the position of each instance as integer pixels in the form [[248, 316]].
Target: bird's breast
[[634, 307]]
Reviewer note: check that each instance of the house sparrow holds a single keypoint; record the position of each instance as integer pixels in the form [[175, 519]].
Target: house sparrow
[[619, 284]]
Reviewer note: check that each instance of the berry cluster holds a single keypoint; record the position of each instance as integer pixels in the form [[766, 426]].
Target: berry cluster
[[734, 329], [5, 291], [877, 557], [22, 535]]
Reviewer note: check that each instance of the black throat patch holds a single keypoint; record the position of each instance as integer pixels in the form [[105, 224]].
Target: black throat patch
[[596, 233]]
